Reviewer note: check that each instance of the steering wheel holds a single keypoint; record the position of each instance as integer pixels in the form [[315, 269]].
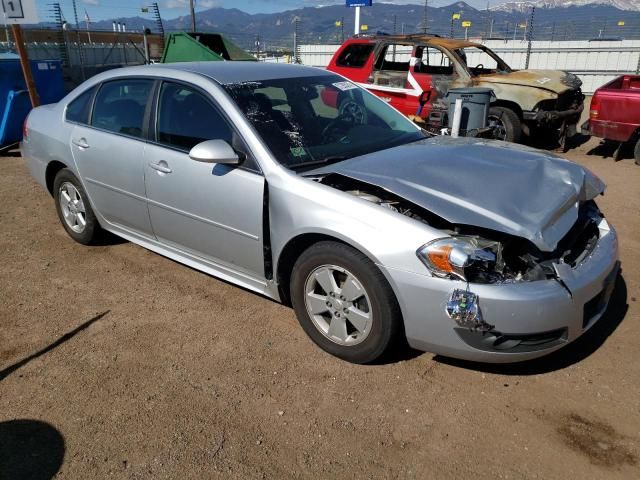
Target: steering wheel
[[354, 110], [475, 69], [337, 128], [350, 113]]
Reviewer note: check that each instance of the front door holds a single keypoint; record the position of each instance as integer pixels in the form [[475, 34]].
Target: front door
[[211, 211], [109, 153]]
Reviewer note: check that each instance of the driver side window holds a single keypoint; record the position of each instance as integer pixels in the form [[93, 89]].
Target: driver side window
[[433, 61], [185, 118]]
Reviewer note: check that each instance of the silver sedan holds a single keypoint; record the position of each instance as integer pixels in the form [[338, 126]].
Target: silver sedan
[[295, 183]]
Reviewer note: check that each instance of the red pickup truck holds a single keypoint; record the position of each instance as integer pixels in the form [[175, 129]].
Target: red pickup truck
[[615, 112]]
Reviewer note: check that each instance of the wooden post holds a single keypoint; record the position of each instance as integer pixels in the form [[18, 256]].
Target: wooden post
[[24, 63]]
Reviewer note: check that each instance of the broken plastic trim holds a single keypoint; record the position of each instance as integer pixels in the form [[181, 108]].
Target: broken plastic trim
[[463, 308]]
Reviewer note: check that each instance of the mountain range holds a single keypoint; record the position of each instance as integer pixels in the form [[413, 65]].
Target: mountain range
[[509, 6], [554, 20]]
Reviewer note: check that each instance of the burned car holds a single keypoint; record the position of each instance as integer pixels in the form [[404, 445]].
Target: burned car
[[415, 72], [481, 250]]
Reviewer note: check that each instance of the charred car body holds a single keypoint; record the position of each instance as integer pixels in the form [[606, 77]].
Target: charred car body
[[414, 73], [480, 250]]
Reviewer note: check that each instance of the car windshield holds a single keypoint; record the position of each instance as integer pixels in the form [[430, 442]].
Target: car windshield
[[481, 61], [307, 121]]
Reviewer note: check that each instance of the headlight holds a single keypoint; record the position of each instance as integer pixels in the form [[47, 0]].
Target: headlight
[[471, 259]]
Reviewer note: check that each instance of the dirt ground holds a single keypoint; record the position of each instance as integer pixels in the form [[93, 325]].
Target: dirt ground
[[116, 362]]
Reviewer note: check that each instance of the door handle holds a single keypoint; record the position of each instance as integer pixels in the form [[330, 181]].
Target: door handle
[[161, 167], [81, 142]]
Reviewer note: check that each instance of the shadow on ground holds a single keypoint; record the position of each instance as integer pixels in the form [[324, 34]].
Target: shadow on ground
[[4, 373], [614, 150], [30, 449], [573, 353]]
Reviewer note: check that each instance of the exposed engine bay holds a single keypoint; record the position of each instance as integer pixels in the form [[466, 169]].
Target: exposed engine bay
[[497, 257]]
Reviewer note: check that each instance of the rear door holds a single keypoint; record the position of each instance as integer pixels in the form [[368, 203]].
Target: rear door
[[431, 71], [208, 210], [391, 80], [109, 153]]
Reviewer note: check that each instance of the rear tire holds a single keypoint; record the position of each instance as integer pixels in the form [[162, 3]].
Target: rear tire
[[636, 151], [344, 303], [507, 123], [74, 209]]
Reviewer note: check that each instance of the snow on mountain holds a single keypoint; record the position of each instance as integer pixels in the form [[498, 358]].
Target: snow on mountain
[[523, 6]]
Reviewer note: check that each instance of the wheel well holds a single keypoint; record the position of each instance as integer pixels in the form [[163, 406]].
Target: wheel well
[[50, 175], [510, 105], [290, 254]]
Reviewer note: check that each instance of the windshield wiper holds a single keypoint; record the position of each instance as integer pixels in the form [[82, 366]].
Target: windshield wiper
[[325, 161]]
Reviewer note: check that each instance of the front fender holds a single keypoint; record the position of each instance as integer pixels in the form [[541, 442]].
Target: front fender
[[299, 206], [526, 97]]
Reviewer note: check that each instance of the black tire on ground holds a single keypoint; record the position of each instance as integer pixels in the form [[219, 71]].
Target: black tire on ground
[[509, 120], [385, 315], [92, 231], [636, 151]]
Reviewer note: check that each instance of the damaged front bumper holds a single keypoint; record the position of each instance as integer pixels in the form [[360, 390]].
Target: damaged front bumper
[[527, 319], [566, 109]]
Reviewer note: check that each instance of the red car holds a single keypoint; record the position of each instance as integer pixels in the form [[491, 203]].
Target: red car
[[410, 70], [615, 113]]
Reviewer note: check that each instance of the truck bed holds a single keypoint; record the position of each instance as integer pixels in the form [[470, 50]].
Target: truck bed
[[615, 109]]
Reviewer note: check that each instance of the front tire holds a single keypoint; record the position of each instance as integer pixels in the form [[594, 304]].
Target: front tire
[[74, 209], [344, 303], [506, 123], [636, 152]]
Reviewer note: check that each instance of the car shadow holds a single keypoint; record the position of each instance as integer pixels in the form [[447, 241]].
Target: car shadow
[[550, 142], [107, 239], [4, 373], [614, 150], [30, 449], [573, 353]]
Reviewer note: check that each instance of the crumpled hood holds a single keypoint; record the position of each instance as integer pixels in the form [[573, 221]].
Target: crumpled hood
[[496, 185], [547, 79]]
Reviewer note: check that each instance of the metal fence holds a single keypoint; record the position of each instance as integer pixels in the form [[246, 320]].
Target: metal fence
[[81, 58], [594, 62]]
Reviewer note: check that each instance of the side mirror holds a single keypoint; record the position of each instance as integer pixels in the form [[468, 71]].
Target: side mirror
[[214, 151]]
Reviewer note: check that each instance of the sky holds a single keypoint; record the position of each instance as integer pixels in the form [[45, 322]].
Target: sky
[[106, 9]]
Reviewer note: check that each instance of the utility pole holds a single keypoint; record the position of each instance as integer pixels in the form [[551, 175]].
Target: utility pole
[[425, 16], [487, 34], [78, 44], [530, 37], [356, 28], [193, 15], [75, 15], [295, 41], [395, 23], [158, 19]]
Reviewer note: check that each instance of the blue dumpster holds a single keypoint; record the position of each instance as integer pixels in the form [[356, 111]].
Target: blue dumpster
[[14, 98]]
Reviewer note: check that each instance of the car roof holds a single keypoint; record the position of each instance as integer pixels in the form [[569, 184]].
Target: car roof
[[418, 38], [227, 72]]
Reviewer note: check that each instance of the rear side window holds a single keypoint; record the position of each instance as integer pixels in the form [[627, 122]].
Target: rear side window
[[355, 55], [78, 110], [120, 106]]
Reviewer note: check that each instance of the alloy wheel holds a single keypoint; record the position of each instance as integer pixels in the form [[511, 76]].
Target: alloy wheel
[[338, 305], [72, 206]]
